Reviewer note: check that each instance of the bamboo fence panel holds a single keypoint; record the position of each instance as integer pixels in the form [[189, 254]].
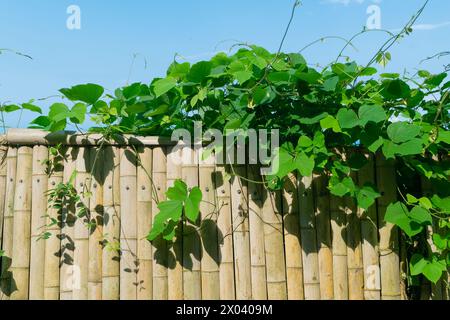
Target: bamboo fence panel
[[38, 222], [144, 221], [20, 267], [192, 250], [128, 217], [175, 255], [389, 242], [111, 225], [310, 255], [256, 229], [7, 282], [292, 240]]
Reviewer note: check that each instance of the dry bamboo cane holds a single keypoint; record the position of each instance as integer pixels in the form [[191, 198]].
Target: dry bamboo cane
[[52, 250], [225, 236], [67, 224], [369, 234], [22, 224], [324, 237], [111, 225], [175, 256], [81, 232], [308, 239], [354, 250], [96, 158], [128, 216], [192, 286], [3, 154], [144, 221], [389, 243], [256, 228], [7, 283], [208, 230], [339, 229], [38, 222], [160, 250], [292, 240]]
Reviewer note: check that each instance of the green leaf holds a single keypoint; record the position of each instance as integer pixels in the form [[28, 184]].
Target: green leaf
[[163, 86], [398, 214], [395, 89], [179, 70], [371, 113], [58, 112], [178, 192], [162, 109], [41, 122], [192, 206], [367, 195], [9, 108], [421, 216], [413, 147], [343, 188], [433, 270], [417, 264], [243, 76], [347, 118], [199, 71], [88, 93], [31, 107], [330, 123], [304, 142], [331, 83], [314, 120], [400, 132], [305, 165], [440, 241]]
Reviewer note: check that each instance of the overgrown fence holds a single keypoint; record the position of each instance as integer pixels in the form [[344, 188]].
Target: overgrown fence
[[299, 243]]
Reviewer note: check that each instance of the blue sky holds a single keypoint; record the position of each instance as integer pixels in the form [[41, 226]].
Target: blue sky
[[112, 31]]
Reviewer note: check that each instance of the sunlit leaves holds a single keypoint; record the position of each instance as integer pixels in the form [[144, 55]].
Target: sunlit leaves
[[163, 86], [88, 93]]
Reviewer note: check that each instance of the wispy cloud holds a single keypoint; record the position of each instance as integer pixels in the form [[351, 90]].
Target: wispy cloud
[[427, 26], [347, 2]]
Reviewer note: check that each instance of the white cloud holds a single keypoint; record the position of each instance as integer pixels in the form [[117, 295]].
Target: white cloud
[[426, 26], [347, 2]]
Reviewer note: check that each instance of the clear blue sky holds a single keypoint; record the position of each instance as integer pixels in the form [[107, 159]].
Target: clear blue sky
[[112, 31]]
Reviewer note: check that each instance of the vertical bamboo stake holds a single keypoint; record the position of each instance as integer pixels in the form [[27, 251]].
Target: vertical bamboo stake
[[81, 253], [160, 272], [339, 241], [324, 238], [256, 228], [111, 225], [308, 239], [292, 240], [3, 155], [174, 259], [210, 279], [53, 250], [369, 234], [389, 249], [144, 222], [225, 236], [96, 224], [67, 275], [22, 224], [7, 283], [38, 222], [128, 215], [192, 286]]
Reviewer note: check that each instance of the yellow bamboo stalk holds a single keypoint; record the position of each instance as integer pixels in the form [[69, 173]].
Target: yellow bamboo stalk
[[3, 154], [225, 235], [389, 243], [128, 215], [175, 257], [324, 238], [7, 283], [96, 159], [369, 234], [53, 250], [192, 285], [67, 275], [292, 240], [22, 224], [144, 222], [81, 236], [38, 222], [256, 229], [111, 225], [210, 278]]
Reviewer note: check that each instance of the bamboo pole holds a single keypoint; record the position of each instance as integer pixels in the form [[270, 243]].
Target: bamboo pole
[[67, 275], [96, 158], [7, 283], [175, 257], [128, 215], [81, 236], [111, 225], [292, 240], [225, 235], [38, 222], [369, 234], [144, 221], [3, 155], [210, 278], [160, 250], [324, 238], [22, 224], [192, 286], [53, 250], [389, 243], [256, 229]]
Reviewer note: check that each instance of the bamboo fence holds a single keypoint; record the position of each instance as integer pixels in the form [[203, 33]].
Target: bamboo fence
[[297, 243]]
